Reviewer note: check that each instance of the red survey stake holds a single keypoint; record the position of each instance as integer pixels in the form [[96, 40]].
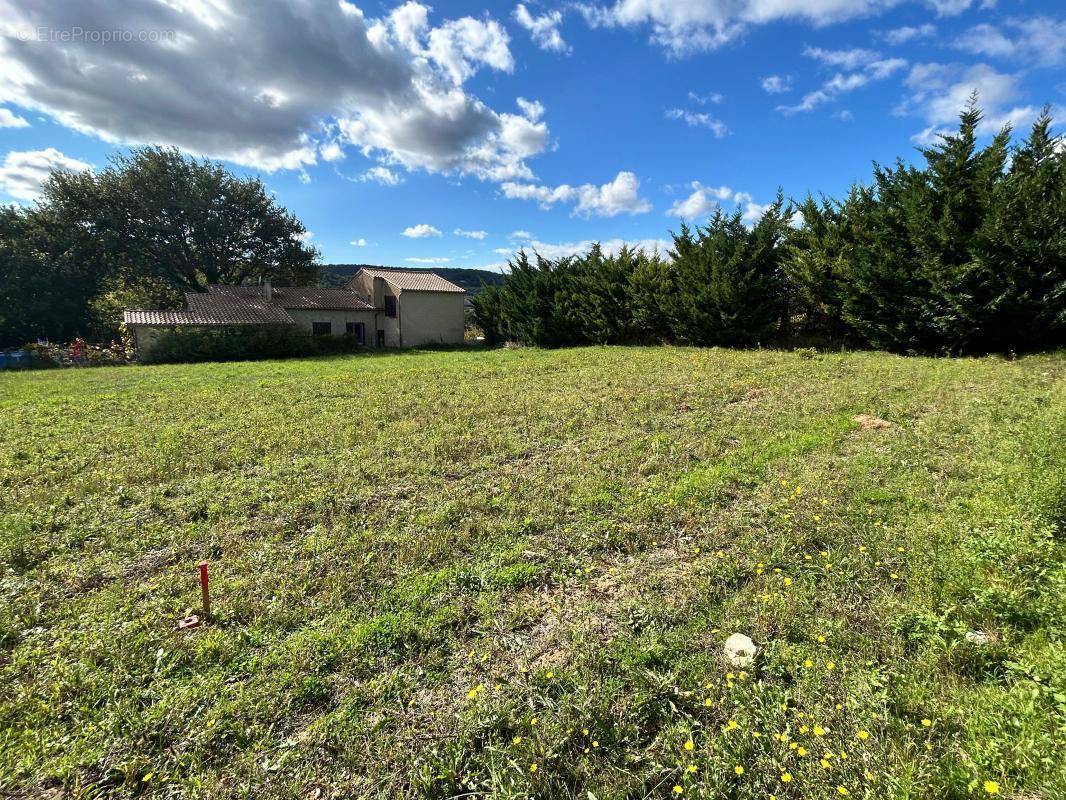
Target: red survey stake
[[205, 590]]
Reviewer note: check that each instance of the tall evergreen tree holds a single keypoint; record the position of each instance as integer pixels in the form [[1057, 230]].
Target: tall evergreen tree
[[729, 279]]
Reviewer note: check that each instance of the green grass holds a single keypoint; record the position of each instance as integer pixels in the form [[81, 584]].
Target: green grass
[[510, 574]]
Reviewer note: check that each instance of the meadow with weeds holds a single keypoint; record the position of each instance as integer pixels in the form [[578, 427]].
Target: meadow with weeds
[[510, 574]]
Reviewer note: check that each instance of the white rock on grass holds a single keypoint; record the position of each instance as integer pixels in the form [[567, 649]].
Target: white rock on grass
[[977, 638], [739, 650]]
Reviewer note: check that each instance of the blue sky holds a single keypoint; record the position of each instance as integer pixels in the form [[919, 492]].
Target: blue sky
[[449, 135]]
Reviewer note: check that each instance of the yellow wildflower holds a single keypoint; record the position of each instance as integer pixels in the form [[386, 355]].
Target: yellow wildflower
[[786, 777], [690, 745], [991, 787], [739, 770]]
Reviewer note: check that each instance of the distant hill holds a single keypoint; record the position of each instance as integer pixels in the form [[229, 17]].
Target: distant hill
[[470, 279]]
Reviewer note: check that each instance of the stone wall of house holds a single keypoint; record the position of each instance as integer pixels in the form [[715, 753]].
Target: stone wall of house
[[338, 320]]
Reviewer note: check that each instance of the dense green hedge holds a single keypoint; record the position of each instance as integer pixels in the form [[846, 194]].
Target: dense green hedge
[[243, 344], [966, 254]]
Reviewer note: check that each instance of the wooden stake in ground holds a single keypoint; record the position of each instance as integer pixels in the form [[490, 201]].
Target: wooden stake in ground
[[205, 590]]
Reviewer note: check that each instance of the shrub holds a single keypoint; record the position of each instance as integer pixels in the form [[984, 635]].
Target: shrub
[[244, 344], [964, 255], [728, 279]]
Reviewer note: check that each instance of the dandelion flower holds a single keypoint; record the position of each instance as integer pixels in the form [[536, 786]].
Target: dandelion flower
[[786, 777], [534, 721], [926, 723], [829, 665], [819, 730], [991, 787], [517, 740], [678, 790], [533, 767], [864, 735], [690, 745], [739, 770], [825, 764], [801, 751], [595, 743], [808, 663], [692, 769], [707, 701], [842, 791]]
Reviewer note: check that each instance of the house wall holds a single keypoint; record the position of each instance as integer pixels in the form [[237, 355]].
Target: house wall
[[338, 319], [374, 291], [431, 318]]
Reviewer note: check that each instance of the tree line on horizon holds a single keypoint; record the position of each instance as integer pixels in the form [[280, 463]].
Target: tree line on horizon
[[965, 254]]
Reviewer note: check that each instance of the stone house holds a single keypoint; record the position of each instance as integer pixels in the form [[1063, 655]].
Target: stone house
[[379, 307]]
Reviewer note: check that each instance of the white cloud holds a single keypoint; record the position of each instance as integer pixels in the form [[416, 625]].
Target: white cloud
[[23, 172], [532, 110], [610, 247], [621, 195], [699, 120], [704, 99], [8, 119], [951, 8], [271, 85], [941, 91], [479, 235], [776, 84], [382, 175], [842, 59], [898, 36], [428, 260], [520, 234], [544, 29], [358, 242], [421, 231], [1036, 40], [686, 26], [331, 151], [869, 65], [705, 200]]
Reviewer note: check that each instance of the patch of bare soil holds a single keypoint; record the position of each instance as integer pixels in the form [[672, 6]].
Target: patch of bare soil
[[871, 423]]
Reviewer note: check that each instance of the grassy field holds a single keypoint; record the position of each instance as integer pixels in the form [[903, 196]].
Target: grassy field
[[510, 574]]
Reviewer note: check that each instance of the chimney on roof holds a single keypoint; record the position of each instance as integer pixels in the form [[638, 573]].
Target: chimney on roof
[[268, 291]]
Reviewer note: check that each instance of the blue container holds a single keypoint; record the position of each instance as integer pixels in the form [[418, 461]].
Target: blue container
[[18, 359], [3, 360]]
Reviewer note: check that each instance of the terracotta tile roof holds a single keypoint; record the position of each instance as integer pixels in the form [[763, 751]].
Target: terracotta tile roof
[[214, 309], [308, 297], [414, 280]]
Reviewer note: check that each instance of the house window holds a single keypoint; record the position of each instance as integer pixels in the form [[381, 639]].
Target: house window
[[321, 328], [390, 305], [356, 329]]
